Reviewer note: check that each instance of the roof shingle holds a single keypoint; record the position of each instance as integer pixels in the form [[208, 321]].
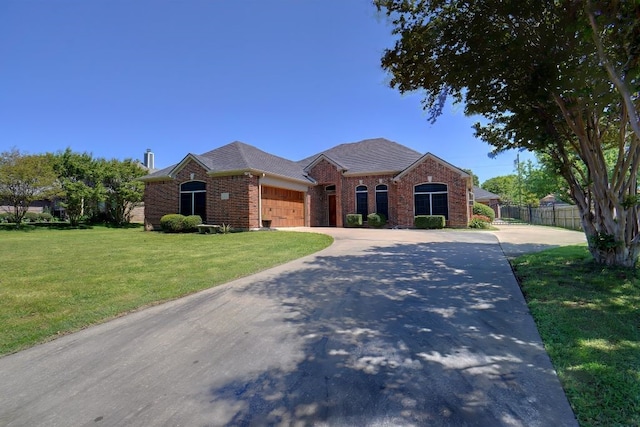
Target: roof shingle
[[369, 156], [238, 156]]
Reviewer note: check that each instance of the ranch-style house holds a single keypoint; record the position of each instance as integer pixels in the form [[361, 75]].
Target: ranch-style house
[[241, 185]]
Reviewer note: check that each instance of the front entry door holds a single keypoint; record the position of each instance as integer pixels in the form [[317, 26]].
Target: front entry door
[[332, 210]]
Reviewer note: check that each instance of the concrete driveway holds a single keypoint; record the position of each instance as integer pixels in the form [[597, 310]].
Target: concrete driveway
[[384, 328]]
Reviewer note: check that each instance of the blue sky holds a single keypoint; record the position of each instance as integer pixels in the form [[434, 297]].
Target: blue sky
[[291, 77]]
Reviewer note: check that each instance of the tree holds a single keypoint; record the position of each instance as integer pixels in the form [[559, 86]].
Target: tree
[[504, 186], [81, 182], [123, 191], [542, 179], [511, 190], [24, 179], [555, 77]]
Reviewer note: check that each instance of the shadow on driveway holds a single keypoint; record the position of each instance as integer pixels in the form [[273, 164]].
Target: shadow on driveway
[[407, 334]]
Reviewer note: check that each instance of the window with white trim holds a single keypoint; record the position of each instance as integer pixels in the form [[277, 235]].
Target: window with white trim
[[193, 199], [431, 199], [362, 201], [382, 200]]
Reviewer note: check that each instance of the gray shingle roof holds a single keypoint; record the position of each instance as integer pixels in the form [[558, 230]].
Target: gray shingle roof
[[369, 156], [482, 194], [238, 156]]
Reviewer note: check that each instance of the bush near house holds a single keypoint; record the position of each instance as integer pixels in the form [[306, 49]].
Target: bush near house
[[429, 221], [176, 223], [376, 220], [481, 209], [190, 223], [480, 221], [354, 220], [172, 223]]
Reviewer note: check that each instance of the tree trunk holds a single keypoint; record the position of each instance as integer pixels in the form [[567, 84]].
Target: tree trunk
[[620, 256]]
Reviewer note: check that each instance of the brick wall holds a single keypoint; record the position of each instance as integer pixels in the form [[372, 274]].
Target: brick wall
[[400, 194], [240, 209], [370, 181], [325, 174], [440, 173]]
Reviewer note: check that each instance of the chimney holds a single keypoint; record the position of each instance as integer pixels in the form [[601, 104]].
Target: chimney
[[149, 160]]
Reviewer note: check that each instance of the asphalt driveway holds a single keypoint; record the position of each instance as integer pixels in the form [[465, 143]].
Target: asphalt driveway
[[384, 328]]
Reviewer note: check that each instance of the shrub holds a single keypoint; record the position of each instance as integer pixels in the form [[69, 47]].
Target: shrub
[[354, 220], [46, 217], [480, 221], [191, 223], [480, 209], [429, 221], [225, 228], [172, 223], [30, 217], [376, 220]]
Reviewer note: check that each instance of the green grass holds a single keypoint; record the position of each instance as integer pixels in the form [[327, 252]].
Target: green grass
[[57, 281], [589, 319]]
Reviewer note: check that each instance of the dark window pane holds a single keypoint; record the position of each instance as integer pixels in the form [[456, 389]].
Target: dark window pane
[[361, 205], [381, 187], [186, 203], [361, 188], [430, 188], [200, 205], [193, 186], [422, 204], [440, 207], [382, 203]]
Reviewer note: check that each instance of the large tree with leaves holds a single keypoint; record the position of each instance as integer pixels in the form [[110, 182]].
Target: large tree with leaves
[[560, 78], [123, 189], [25, 178], [81, 180]]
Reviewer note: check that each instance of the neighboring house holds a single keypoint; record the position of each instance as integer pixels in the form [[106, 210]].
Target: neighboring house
[[239, 184], [488, 198], [552, 200]]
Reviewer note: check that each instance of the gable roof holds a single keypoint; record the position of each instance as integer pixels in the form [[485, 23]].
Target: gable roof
[[369, 156], [482, 194], [237, 157], [437, 159]]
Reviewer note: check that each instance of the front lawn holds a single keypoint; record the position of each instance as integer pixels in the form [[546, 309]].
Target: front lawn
[[57, 281], [589, 320]]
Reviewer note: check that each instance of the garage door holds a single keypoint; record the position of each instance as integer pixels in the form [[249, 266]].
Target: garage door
[[285, 208]]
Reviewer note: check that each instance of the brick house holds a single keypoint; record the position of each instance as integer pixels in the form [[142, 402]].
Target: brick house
[[239, 184]]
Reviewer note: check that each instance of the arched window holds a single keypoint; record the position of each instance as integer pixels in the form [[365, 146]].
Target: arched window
[[382, 200], [193, 199], [361, 201], [431, 199]]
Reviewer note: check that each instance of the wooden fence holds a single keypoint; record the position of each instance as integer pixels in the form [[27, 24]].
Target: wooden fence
[[557, 216]]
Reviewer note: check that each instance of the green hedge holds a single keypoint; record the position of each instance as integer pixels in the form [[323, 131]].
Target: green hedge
[[176, 223], [354, 220], [172, 223], [376, 220], [191, 223], [429, 221], [29, 217], [481, 209]]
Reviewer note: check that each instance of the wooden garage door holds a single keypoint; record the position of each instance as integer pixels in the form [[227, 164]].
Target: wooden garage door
[[285, 208]]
